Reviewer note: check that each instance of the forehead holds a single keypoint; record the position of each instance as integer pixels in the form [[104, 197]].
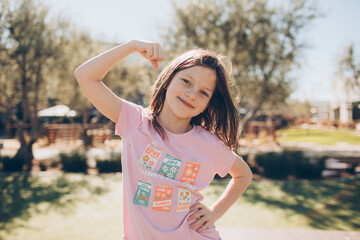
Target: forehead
[[204, 76]]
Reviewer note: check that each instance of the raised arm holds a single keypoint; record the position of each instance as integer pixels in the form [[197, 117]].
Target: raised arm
[[90, 74]]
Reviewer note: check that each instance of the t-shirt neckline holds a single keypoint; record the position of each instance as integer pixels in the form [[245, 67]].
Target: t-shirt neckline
[[185, 134]]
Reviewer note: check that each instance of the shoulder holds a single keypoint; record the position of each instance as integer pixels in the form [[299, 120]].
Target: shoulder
[[132, 116], [126, 105], [209, 137], [129, 107]]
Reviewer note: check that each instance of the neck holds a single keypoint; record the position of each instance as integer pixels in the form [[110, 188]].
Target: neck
[[174, 125]]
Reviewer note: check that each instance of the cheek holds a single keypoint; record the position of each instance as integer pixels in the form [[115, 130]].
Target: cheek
[[169, 92], [173, 88], [204, 103]]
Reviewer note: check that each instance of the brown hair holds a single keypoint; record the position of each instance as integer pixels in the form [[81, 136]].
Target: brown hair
[[220, 117]]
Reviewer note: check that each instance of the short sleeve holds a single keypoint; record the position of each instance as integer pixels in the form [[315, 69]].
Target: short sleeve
[[225, 159], [129, 118]]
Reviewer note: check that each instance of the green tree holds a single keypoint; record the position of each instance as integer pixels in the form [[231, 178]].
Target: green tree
[[30, 45], [38, 56], [261, 40], [64, 89], [349, 69]]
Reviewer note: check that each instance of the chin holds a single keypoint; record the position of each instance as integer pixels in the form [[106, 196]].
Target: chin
[[184, 115]]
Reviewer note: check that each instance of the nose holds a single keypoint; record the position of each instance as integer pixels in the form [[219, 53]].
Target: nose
[[191, 94]]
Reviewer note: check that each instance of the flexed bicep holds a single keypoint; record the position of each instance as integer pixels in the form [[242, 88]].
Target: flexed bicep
[[90, 74]]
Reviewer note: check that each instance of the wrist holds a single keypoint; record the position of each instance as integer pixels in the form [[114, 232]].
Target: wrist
[[130, 46], [133, 45], [216, 212]]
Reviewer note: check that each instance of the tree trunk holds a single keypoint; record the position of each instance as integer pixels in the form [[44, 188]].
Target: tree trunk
[[87, 139], [25, 151], [248, 117]]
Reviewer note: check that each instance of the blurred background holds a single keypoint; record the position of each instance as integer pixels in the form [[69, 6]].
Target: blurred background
[[296, 85]]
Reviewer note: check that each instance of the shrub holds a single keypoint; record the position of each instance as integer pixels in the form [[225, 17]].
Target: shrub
[[309, 168], [74, 162], [274, 165], [42, 167], [111, 165], [54, 164], [295, 163], [292, 157], [14, 164], [250, 162]]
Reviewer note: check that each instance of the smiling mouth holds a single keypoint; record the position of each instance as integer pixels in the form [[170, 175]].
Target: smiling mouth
[[186, 103]]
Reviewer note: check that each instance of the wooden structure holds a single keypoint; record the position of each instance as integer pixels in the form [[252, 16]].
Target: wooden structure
[[72, 132], [258, 129]]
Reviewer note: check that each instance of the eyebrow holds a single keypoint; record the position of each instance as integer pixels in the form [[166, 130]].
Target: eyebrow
[[206, 88]]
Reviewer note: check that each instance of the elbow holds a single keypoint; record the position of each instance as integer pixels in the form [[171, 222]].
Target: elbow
[[80, 75], [77, 73], [249, 174], [245, 178], [250, 177]]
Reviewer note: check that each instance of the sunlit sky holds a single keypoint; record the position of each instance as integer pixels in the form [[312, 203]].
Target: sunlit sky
[[327, 37]]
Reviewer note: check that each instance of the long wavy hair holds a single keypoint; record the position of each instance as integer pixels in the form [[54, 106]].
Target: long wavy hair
[[220, 117]]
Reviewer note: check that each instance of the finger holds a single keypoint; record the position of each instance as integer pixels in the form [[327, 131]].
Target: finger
[[155, 64], [196, 206], [149, 51], [197, 223], [205, 226], [200, 217], [195, 215]]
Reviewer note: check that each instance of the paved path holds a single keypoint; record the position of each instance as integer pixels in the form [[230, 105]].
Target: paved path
[[285, 234]]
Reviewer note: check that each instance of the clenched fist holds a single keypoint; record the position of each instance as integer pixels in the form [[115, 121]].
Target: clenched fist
[[150, 50]]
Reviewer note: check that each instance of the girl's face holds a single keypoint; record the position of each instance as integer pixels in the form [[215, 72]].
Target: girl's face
[[189, 92]]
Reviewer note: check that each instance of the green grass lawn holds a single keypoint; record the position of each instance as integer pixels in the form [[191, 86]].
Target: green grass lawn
[[319, 136], [77, 206]]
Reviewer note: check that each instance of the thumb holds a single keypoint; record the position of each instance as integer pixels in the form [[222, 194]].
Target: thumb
[[155, 63]]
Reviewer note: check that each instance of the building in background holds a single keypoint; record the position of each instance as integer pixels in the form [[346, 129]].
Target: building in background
[[345, 108]]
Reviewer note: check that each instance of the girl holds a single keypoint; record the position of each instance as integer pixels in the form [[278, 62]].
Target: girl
[[173, 149]]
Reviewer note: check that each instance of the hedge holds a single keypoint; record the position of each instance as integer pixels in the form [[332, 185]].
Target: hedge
[[281, 165]]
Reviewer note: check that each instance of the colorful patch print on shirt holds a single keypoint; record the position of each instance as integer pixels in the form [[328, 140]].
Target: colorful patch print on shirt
[[162, 199], [184, 199], [142, 194], [170, 167], [150, 157], [190, 173]]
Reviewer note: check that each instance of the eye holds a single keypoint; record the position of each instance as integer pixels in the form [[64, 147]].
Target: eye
[[204, 93], [186, 81]]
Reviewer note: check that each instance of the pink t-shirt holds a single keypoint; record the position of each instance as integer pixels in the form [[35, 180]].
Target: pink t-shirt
[[163, 178]]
